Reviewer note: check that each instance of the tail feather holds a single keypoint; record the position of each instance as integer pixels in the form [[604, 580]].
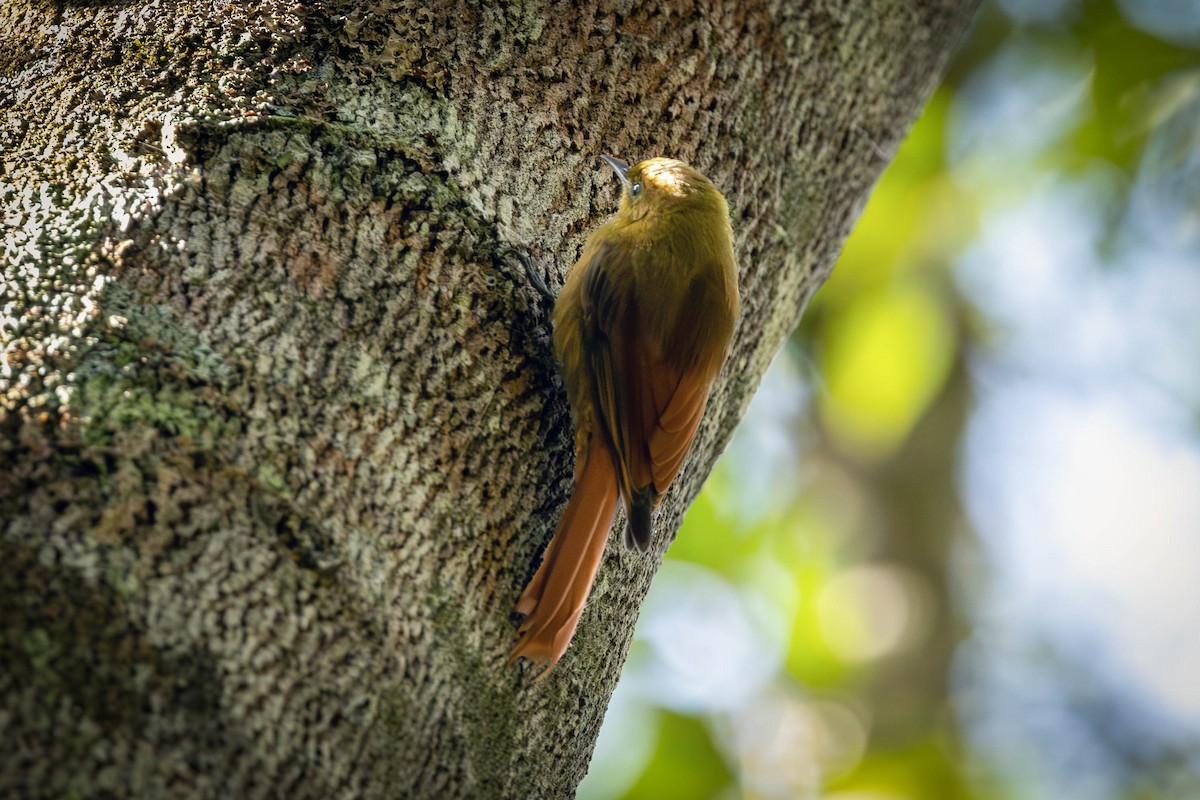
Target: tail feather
[[553, 601], [639, 527]]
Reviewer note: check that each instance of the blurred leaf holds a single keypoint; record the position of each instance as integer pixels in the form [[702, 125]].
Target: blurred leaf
[[810, 659], [685, 763], [701, 539], [706, 536], [924, 770], [812, 561], [885, 357], [1129, 63]]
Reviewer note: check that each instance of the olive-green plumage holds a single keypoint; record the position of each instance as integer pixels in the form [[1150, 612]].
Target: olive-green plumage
[[641, 329]]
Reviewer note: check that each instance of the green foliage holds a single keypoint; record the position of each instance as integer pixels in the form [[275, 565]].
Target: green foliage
[[685, 763]]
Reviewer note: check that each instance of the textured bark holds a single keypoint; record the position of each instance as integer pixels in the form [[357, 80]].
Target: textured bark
[[282, 438]]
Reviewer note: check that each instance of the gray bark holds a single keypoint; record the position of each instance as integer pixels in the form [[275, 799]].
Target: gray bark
[[281, 433]]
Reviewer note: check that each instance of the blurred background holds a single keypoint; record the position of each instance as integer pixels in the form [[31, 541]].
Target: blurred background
[[954, 548]]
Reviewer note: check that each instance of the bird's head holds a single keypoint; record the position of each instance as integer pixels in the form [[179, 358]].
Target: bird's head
[[659, 184]]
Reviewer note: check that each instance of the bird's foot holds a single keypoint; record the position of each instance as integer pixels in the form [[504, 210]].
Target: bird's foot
[[531, 273]]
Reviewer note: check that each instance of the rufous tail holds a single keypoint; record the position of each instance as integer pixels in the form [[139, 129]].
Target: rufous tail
[[553, 601]]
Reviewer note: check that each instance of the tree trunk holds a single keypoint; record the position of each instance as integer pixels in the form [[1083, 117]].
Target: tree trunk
[[282, 435]]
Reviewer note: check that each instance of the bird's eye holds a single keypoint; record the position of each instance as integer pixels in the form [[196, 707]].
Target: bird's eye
[[635, 188]]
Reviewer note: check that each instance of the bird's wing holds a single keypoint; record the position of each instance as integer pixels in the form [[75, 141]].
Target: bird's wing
[[608, 344], [650, 406]]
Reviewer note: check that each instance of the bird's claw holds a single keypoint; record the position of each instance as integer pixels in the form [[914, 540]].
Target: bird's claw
[[531, 274]]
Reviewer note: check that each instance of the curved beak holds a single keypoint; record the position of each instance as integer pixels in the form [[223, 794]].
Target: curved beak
[[621, 168]]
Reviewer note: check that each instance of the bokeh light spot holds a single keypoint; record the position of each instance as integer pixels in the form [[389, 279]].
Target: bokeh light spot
[[884, 359]]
